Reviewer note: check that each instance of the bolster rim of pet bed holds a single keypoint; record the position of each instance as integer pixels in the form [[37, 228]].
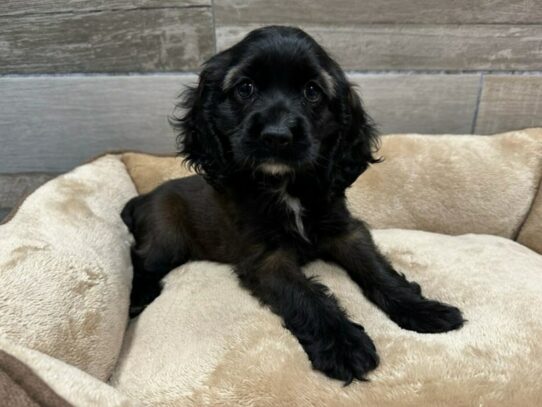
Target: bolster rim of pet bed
[[460, 214]]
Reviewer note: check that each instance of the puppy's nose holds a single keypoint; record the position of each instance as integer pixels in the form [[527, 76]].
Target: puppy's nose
[[277, 136]]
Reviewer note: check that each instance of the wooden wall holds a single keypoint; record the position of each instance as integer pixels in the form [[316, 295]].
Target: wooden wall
[[78, 78]]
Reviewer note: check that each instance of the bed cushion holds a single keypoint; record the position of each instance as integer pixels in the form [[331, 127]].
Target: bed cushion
[[206, 341], [65, 267], [50, 382], [66, 273], [452, 184], [445, 184], [530, 234]]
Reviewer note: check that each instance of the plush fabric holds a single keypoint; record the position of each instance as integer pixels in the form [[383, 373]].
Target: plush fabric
[[452, 184], [206, 342], [65, 268], [530, 234], [65, 273], [149, 171], [21, 387], [444, 184], [68, 382]]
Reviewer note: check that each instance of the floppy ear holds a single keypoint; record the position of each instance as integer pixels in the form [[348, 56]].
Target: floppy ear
[[198, 140], [356, 143]]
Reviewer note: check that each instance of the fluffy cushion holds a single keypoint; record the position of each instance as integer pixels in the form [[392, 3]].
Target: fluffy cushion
[[443, 184], [65, 267], [206, 341], [65, 273], [452, 184], [148, 171], [73, 385], [530, 234]]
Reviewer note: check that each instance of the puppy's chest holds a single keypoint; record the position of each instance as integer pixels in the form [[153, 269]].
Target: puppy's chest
[[294, 214]]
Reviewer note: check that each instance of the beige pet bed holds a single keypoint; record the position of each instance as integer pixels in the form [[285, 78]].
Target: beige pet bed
[[462, 215]]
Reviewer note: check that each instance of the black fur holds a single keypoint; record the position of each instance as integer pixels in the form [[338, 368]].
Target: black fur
[[274, 126]]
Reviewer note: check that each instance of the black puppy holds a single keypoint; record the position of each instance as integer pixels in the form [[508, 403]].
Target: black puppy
[[277, 134]]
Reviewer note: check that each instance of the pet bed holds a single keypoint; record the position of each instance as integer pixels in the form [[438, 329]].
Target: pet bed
[[461, 215]]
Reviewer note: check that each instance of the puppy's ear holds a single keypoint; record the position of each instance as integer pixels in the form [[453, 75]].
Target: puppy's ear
[[197, 139], [356, 144]]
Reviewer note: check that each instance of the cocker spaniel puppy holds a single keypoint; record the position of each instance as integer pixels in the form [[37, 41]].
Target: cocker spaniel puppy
[[277, 134]]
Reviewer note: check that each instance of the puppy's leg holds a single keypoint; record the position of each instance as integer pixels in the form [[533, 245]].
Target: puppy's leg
[[160, 246], [400, 299], [148, 271], [335, 345]]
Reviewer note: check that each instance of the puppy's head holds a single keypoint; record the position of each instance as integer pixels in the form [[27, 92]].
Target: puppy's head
[[275, 103]]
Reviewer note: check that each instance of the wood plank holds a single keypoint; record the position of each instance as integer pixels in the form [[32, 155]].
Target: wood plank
[[51, 124], [21, 7], [419, 47], [137, 40], [509, 102], [13, 187], [432, 104], [383, 11]]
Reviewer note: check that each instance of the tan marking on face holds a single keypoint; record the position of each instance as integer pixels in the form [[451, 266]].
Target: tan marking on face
[[329, 83], [230, 76], [274, 168]]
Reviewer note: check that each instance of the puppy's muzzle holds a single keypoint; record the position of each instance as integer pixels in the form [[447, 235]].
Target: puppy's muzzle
[[277, 137]]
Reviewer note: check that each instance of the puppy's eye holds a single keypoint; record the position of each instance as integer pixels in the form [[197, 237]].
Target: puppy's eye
[[312, 92], [245, 89]]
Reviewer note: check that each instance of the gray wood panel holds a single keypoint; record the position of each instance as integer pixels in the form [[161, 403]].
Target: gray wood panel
[[433, 104], [139, 40], [51, 124], [381, 11], [15, 186], [509, 103], [20, 7], [419, 47]]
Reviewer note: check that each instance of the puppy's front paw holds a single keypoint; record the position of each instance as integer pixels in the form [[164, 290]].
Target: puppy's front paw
[[345, 354], [427, 316], [141, 297]]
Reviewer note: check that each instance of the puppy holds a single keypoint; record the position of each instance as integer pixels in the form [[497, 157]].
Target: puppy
[[277, 134]]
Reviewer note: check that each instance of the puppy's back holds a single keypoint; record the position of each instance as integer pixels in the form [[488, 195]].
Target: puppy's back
[[181, 219]]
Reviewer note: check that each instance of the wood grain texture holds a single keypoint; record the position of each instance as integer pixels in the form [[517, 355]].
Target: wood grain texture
[[418, 47], [382, 11], [15, 186], [22, 7], [51, 124], [433, 104], [509, 103], [138, 40]]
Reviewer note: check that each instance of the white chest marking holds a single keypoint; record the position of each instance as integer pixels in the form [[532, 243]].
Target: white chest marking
[[295, 206]]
